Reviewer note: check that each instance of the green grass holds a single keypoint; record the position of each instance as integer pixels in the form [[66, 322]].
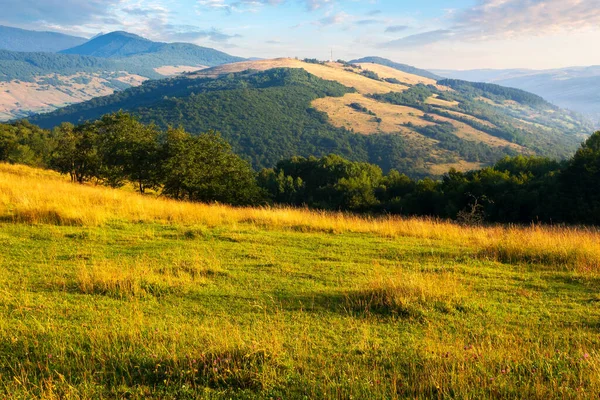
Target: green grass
[[160, 311]]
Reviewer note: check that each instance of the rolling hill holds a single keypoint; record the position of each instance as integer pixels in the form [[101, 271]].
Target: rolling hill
[[274, 109], [575, 88], [40, 82], [15, 39]]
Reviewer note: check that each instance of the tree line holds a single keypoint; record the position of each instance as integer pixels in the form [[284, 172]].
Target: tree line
[[118, 149]]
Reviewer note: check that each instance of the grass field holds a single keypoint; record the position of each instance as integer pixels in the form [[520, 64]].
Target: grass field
[[108, 294]]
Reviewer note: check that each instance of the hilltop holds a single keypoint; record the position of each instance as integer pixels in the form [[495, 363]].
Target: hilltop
[[15, 39], [109, 294], [367, 112], [114, 44]]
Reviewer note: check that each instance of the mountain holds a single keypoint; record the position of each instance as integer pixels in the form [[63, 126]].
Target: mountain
[[15, 39], [574, 88], [41, 82], [114, 45], [400, 67], [274, 109], [138, 50]]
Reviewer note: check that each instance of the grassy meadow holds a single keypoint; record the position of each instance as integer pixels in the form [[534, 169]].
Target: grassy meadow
[[108, 294]]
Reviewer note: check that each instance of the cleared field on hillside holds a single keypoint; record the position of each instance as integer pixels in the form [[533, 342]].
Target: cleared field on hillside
[[110, 294], [178, 69]]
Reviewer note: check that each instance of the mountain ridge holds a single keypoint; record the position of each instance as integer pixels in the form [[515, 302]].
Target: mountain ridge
[[125, 46], [17, 39]]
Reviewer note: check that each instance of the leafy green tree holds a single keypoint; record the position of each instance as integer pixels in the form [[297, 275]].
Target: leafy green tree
[[76, 152], [204, 168], [24, 143], [581, 182], [130, 151]]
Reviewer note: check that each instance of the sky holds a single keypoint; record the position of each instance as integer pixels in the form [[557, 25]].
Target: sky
[[433, 34]]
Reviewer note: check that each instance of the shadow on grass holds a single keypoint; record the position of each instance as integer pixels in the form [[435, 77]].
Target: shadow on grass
[[35, 364], [372, 302]]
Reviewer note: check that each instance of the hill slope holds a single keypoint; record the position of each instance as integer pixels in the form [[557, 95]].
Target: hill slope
[[575, 88], [15, 39], [37, 82], [108, 294], [271, 109]]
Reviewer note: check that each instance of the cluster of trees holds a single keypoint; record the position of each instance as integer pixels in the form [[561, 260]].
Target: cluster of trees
[[118, 149], [516, 189]]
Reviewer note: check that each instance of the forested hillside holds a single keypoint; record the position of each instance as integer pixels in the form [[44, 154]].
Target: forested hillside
[[273, 109]]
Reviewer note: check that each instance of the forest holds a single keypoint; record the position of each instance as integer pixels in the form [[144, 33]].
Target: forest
[[118, 150]]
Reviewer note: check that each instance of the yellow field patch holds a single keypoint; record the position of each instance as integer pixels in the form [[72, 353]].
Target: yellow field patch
[[439, 102], [440, 169], [178, 69], [392, 116]]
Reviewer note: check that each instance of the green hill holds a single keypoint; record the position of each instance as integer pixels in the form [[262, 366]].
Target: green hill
[[271, 115], [15, 39]]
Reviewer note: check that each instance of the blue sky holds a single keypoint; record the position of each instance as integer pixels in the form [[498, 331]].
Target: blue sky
[[435, 34]]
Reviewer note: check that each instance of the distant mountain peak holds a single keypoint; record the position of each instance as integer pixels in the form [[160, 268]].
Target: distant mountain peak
[[114, 45]]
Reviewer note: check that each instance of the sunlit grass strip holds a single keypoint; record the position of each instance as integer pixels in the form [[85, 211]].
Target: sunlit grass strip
[[34, 196]]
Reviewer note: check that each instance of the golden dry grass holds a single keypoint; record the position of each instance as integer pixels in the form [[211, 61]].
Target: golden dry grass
[[170, 70], [441, 169], [393, 116], [409, 294], [439, 102], [32, 196]]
